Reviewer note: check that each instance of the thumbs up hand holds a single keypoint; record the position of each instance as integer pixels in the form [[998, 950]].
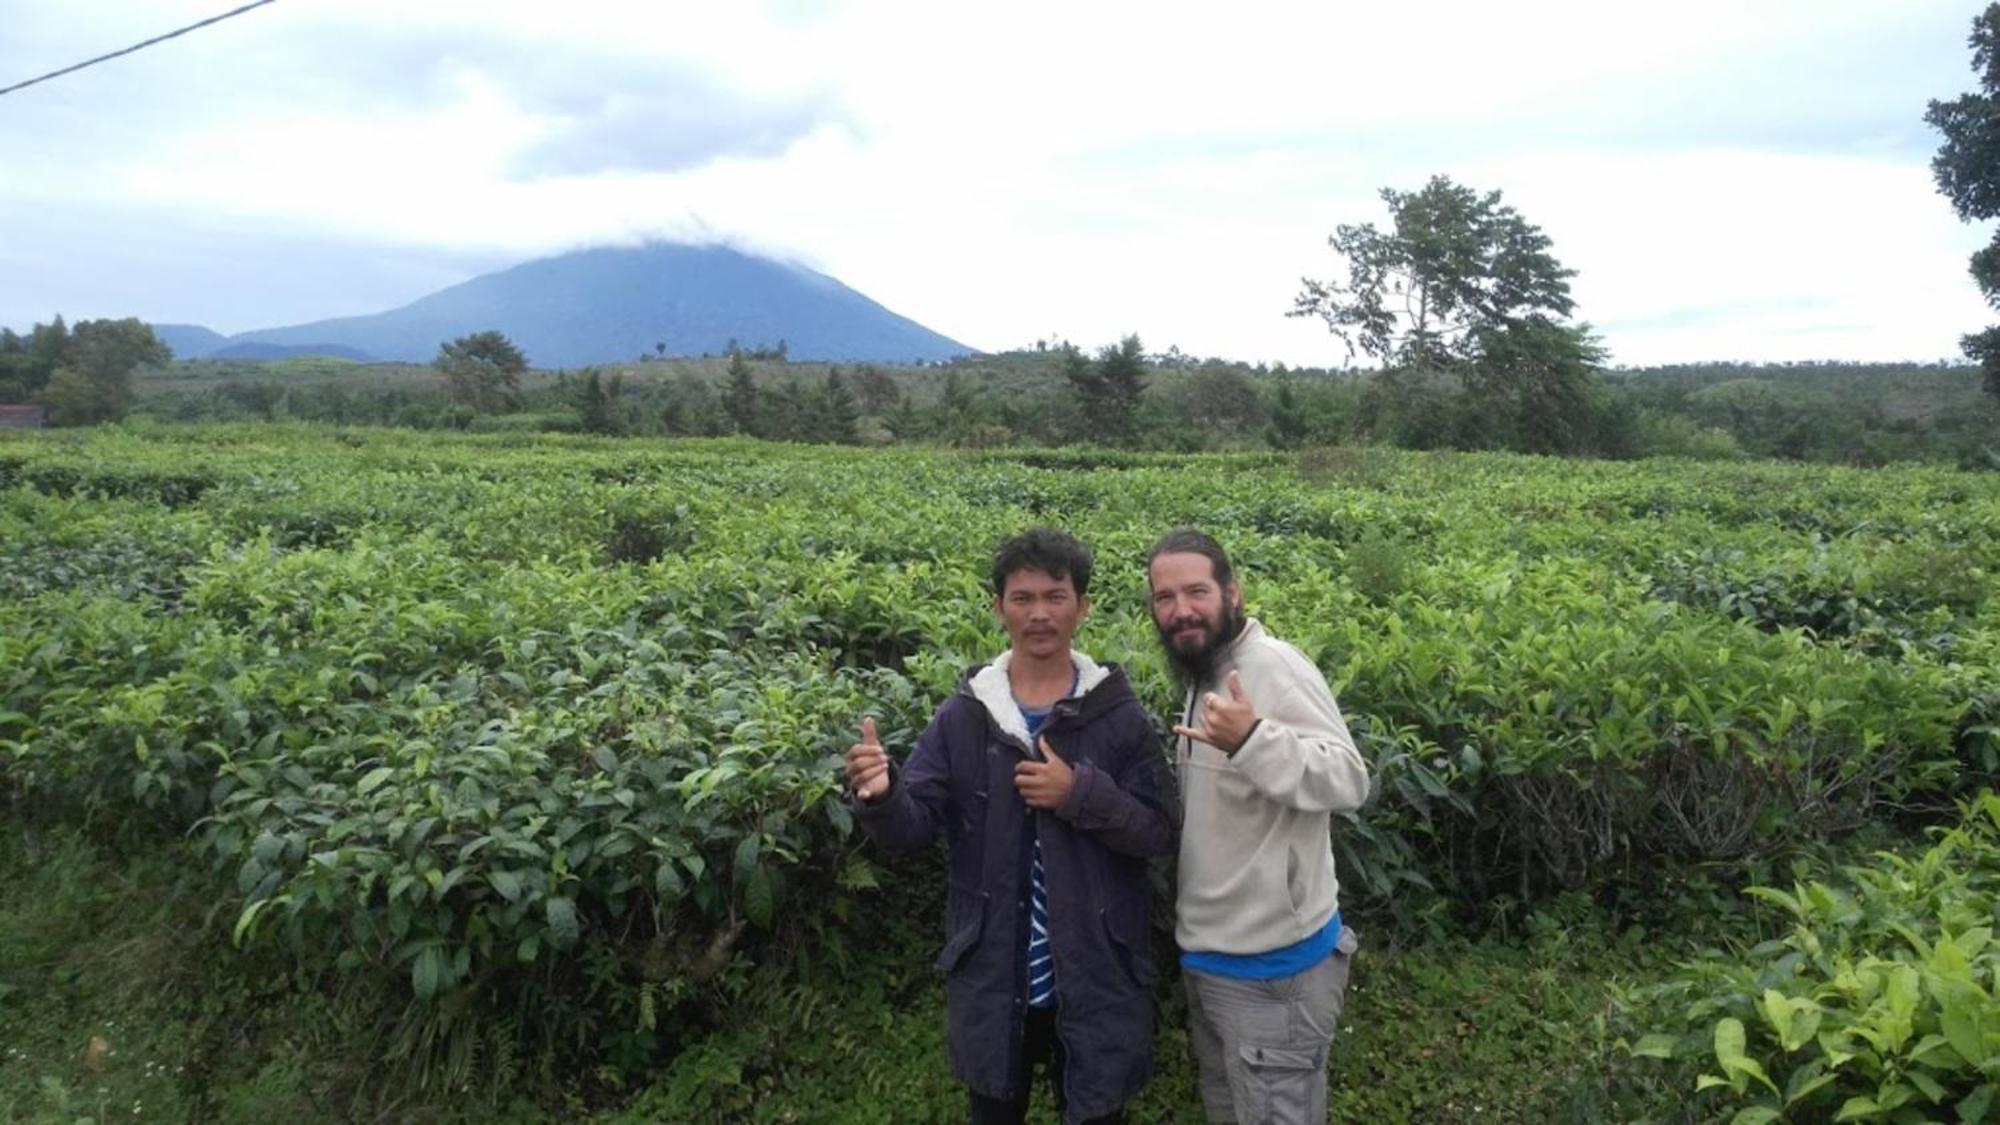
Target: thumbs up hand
[[1224, 723], [1044, 784], [868, 764]]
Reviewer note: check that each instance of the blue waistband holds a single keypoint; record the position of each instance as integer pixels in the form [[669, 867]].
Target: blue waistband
[[1283, 962]]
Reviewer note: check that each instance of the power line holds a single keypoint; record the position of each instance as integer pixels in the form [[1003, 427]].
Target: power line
[[134, 47]]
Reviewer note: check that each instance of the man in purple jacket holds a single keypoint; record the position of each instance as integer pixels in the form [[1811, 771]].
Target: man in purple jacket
[[1044, 776]]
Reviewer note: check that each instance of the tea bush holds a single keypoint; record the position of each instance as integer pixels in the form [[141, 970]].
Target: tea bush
[[1881, 1003], [515, 716]]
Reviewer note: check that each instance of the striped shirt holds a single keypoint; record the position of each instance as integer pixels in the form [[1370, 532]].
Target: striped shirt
[[1041, 959]]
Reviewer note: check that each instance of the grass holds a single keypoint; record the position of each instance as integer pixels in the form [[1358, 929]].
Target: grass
[[121, 1000], [86, 947], [1495, 1029], [120, 944]]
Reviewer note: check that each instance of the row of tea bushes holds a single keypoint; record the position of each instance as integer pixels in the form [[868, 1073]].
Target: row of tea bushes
[[450, 707]]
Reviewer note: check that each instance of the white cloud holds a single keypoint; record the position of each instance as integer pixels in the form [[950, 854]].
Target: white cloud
[[1763, 256], [1730, 180]]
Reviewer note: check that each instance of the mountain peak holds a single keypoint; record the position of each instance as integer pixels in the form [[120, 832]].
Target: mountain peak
[[604, 304]]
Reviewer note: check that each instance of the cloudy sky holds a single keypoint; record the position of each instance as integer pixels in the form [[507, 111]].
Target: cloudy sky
[[1731, 180]]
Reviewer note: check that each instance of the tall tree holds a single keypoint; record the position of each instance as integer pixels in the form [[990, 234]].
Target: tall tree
[[482, 370], [739, 396], [1221, 397], [1121, 370], [46, 342], [839, 413], [91, 377], [26, 363], [1084, 380], [1461, 284], [109, 350], [1107, 390], [874, 389], [1288, 428], [1967, 168], [692, 408], [902, 419], [1539, 379], [788, 413], [597, 403], [957, 402], [1454, 263]]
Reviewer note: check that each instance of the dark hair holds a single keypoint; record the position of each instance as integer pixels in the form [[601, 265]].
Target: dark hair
[[1054, 553], [1188, 541]]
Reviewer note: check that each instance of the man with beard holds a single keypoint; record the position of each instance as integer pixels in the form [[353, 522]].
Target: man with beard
[[1264, 758], [1044, 776]]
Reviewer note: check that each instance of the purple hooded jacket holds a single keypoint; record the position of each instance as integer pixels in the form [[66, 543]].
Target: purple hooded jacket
[[959, 783]]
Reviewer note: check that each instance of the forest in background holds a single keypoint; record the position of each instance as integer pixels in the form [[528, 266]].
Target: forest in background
[[1838, 413]]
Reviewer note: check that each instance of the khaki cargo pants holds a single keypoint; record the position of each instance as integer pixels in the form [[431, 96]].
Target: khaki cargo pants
[[1262, 1044]]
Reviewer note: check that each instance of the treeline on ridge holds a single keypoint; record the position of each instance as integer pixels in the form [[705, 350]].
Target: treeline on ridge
[[1048, 395], [1844, 413]]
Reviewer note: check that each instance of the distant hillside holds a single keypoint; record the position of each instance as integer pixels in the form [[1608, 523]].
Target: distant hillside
[[1912, 392], [189, 341], [258, 349], [192, 341], [612, 304]]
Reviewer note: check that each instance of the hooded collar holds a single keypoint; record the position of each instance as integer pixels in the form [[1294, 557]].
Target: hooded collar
[[1253, 630], [991, 687]]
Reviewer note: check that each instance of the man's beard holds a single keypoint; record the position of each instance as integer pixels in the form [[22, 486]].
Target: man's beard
[[1192, 666]]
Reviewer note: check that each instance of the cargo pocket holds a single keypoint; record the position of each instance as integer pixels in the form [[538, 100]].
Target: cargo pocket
[[1284, 1084]]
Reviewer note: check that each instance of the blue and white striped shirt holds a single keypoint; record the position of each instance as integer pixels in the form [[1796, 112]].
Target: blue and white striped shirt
[[1041, 960]]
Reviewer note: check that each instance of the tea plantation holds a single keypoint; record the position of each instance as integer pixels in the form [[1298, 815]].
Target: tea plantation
[[381, 776]]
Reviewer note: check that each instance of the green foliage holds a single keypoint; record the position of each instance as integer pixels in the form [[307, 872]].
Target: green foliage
[[740, 399], [1107, 392], [1454, 266], [1451, 1030], [1674, 435], [75, 399], [1883, 596], [597, 403], [113, 936], [1539, 381], [109, 350], [1863, 414], [1378, 565], [1967, 168], [83, 375], [1288, 428], [481, 371], [838, 416], [26, 363], [1868, 414], [537, 736], [1463, 285], [1878, 1004], [1225, 406]]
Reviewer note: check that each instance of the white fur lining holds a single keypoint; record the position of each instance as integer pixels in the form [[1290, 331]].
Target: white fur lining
[[995, 692]]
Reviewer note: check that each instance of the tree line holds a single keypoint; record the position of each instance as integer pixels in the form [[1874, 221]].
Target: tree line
[[1821, 412], [1117, 396]]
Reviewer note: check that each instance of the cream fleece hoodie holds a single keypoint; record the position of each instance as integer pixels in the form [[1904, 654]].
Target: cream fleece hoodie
[[1256, 870], [992, 688]]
